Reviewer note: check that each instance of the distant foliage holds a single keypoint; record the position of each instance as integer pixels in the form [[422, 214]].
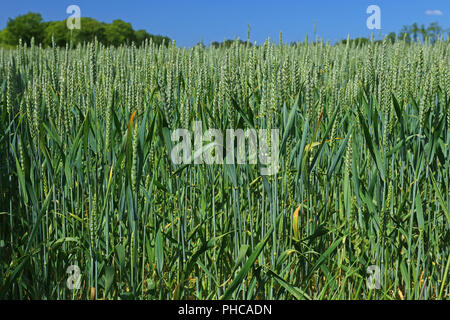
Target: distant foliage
[[30, 26], [412, 33]]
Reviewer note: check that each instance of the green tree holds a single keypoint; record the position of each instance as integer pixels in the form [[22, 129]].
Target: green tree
[[119, 32], [58, 30], [414, 30], [357, 41], [228, 43], [405, 34], [434, 31], [2, 36], [141, 36], [161, 40], [416, 33], [30, 26], [391, 37], [24, 27], [90, 29]]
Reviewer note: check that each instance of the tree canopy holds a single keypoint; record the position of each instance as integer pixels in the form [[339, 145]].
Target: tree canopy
[[30, 26], [24, 27], [412, 33]]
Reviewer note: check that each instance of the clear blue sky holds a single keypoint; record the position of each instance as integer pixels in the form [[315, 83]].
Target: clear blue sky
[[191, 21]]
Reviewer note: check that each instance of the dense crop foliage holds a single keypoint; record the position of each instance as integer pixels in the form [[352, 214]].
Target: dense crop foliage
[[87, 179]]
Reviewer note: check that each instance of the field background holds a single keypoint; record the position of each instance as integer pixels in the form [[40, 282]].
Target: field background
[[86, 177]]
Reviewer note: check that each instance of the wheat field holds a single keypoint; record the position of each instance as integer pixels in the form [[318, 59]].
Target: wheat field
[[86, 177]]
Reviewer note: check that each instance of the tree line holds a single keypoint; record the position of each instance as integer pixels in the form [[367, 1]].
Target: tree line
[[411, 33], [31, 26], [28, 26]]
